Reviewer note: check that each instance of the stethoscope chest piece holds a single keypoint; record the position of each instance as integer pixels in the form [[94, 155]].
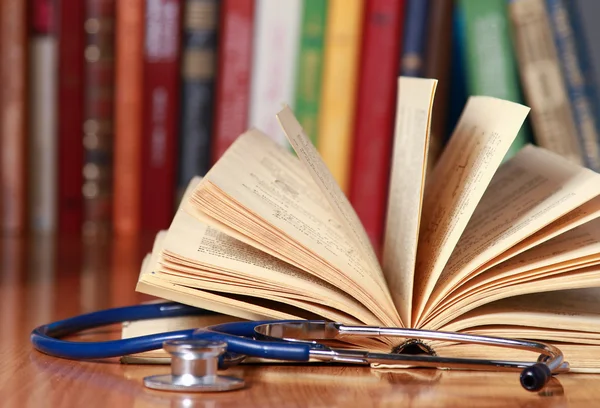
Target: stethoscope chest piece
[[194, 365]]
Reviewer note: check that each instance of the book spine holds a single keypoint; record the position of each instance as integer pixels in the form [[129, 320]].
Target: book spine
[[98, 126], [338, 95], [375, 114], [413, 47], [587, 30], [13, 134], [310, 66], [437, 64], [458, 78], [275, 49], [128, 116], [543, 83], [70, 115], [233, 82], [43, 144], [200, 22], [490, 59], [576, 82], [160, 107]]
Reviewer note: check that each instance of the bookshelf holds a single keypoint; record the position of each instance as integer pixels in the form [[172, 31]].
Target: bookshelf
[[109, 108]]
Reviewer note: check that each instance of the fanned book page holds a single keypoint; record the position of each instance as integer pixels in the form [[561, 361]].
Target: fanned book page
[[263, 192], [484, 133], [407, 185], [269, 235]]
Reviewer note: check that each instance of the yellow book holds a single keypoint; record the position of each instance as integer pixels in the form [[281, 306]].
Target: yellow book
[[338, 92]]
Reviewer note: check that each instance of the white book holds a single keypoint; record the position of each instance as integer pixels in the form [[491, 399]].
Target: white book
[[275, 49], [43, 139]]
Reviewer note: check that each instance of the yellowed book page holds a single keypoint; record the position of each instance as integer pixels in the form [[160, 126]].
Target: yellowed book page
[[579, 216], [527, 193], [528, 332], [341, 207], [247, 309], [241, 307], [482, 137], [407, 183], [306, 305], [576, 310], [263, 191], [198, 251], [150, 283], [580, 245], [570, 278]]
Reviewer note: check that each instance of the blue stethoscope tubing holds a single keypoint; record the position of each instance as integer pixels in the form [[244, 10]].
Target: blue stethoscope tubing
[[237, 335]]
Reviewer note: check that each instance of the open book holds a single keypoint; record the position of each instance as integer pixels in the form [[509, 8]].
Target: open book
[[476, 246]]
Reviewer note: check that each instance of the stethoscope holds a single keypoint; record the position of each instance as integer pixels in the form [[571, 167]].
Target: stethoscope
[[197, 354]]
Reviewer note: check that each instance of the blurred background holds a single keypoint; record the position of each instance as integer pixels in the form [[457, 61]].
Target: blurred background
[[109, 107]]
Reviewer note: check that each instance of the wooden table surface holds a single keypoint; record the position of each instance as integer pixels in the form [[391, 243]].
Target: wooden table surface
[[42, 280]]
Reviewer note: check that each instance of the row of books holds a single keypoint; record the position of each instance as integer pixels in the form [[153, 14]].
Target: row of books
[[121, 103]]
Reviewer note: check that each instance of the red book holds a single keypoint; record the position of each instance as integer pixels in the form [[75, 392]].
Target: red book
[[375, 113], [233, 80], [161, 100], [71, 37], [13, 122]]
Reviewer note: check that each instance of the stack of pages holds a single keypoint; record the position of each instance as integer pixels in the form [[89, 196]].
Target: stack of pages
[[480, 246]]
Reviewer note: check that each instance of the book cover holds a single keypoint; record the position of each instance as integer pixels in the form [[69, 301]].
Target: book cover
[[98, 126], [70, 115], [13, 134], [274, 55], [542, 79], [161, 110], [572, 62], [339, 86], [414, 38], [233, 79], [458, 78], [583, 20], [128, 114], [437, 64], [491, 66], [198, 65], [43, 135], [310, 66], [375, 111]]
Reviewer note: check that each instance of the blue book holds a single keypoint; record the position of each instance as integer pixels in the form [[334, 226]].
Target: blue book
[[413, 46], [458, 82], [576, 72], [199, 43]]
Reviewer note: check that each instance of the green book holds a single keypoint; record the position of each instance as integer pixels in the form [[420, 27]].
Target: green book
[[310, 66], [491, 64]]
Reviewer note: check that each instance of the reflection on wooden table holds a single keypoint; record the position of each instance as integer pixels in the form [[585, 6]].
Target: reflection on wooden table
[[44, 279]]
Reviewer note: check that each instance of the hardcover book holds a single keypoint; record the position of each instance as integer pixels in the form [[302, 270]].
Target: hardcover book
[[477, 245], [164, 85]]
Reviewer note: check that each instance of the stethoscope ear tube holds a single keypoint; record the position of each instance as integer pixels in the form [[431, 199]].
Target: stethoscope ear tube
[[46, 338]]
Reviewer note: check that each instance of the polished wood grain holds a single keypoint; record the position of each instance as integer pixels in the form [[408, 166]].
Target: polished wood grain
[[43, 279]]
